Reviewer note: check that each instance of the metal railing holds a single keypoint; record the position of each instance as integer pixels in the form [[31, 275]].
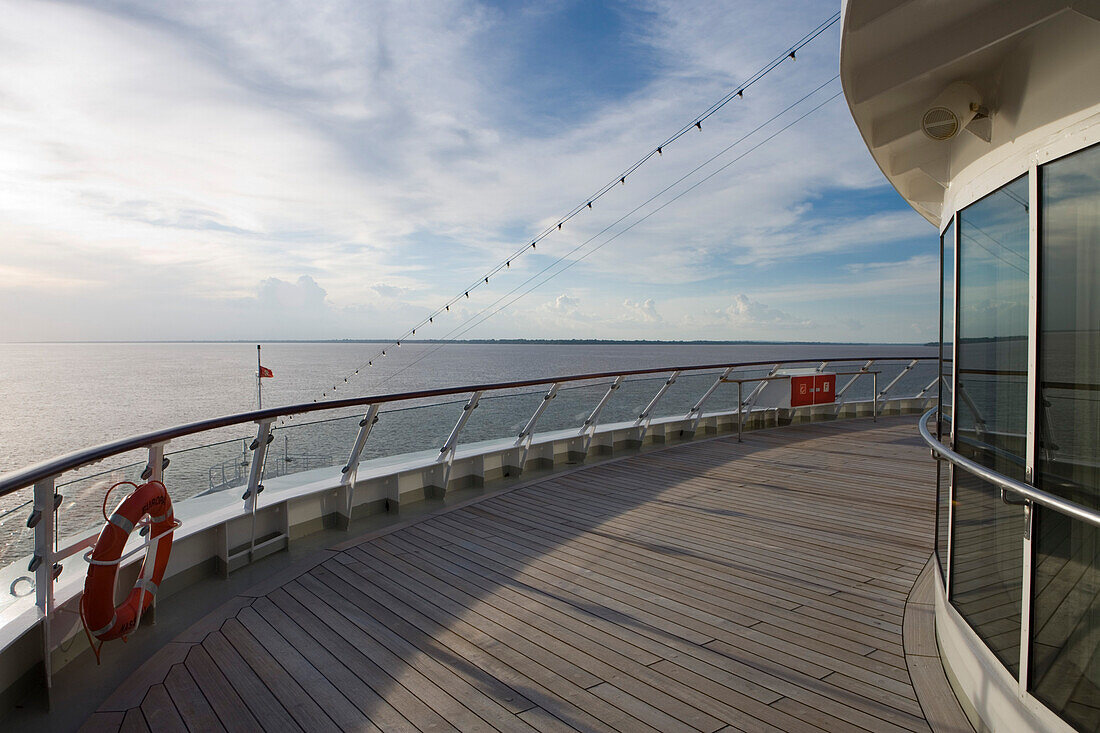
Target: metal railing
[[1004, 483], [46, 562], [1013, 492]]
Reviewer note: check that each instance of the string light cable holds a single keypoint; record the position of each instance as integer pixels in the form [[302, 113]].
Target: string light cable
[[463, 328], [576, 261], [696, 123], [620, 179]]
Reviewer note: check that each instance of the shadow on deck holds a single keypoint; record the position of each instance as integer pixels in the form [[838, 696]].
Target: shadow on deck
[[710, 586]]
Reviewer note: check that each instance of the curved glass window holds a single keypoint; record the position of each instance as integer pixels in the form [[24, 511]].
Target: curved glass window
[[990, 406], [1064, 667]]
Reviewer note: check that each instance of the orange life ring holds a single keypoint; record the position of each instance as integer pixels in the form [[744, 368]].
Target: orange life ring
[[101, 618]]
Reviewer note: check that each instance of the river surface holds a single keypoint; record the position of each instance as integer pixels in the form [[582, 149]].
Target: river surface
[[56, 398]]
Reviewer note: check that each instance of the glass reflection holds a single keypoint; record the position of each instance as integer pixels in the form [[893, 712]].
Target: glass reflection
[[1064, 670], [990, 409]]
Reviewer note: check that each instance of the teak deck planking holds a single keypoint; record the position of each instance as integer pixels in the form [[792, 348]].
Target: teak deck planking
[[711, 586]]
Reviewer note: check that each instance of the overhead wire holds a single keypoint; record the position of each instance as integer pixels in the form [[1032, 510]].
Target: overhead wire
[[619, 180], [462, 328]]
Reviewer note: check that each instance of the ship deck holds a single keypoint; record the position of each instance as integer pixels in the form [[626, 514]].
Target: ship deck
[[709, 586]]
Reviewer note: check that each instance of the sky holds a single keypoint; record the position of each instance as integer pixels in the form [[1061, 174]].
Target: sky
[[341, 169]]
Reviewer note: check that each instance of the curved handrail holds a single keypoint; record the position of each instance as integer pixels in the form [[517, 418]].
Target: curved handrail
[[1031, 493], [29, 475]]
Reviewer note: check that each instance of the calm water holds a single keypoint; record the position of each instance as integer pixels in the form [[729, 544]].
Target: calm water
[[60, 397], [57, 398]]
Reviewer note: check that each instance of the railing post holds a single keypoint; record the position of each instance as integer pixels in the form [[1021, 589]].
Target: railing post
[[523, 441], [264, 436], [43, 520], [154, 469], [924, 391], [350, 470], [447, 452], [697, 408], [750, 401], [740, 417], [839, 396], [874, 396], [642, 423], [897, 379], [588, 429]]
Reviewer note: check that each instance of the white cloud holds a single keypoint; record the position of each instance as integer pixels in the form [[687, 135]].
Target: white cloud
[[644, 312], [389, 291], [360, 159], [746, 317], [564, 310], [563, 304]]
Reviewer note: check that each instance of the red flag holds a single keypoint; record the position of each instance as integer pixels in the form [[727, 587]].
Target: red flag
[[265, 372]]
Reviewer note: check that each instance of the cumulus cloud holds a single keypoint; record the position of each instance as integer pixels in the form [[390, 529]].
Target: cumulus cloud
[[747, 318], [644, 312], [389, 291], [747, 312], [565, 308], [564, 304]]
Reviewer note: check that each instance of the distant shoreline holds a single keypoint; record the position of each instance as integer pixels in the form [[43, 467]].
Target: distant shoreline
[[504, 342]]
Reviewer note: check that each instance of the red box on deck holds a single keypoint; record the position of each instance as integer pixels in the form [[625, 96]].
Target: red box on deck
[[815, 389], [825, 389], [802, 391]]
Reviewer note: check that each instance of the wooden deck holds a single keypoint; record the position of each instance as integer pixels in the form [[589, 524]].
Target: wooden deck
[[711, 586]]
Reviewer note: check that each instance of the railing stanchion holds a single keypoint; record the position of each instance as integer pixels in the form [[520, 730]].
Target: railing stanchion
[[924, 391], [154, 469], [874, 396], [643, 421], [740, 416], [750, 401], [349, 472], [43, 518], [447, 452], [697, 408], [264, 436], [906, 370], [523, 441], [839, 396], [588, 429]]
